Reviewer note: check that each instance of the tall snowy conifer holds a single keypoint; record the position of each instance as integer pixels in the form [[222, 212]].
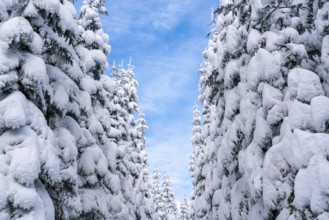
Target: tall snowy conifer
[[120, 141], [145, 209], [197, 165], [220, 93], [58, 160], [261, 86], [43, 34], [128, 138]]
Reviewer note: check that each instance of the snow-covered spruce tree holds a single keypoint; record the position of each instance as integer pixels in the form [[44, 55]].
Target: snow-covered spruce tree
[[157, 195], [168, 198], [93, 37], [196, 165], [265, 156], [31, 86], [184, 210], [128, 139], [297, 48], [58, 159], [121, 142], [220, 93], [145, 209], [37, 40], [100, 87]]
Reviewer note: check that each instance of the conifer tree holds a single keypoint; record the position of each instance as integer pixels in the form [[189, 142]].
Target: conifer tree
[[197, 163], [93, 37], [59, 158], [41, 29], [168, 198], [157, 195], [259, 89], [143, 194], [184, 210], [121, 140]]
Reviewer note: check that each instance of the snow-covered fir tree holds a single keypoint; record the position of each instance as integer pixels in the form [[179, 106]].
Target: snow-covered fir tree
[[61, 156], [157, 195], [38, 41], [125, 139], [93, 37], [143, 187], [262, 84], [197, 162], [184, 210], [168, 198]]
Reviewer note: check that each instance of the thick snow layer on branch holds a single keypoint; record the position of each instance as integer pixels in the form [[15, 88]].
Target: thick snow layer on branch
[[320, 113], [263, 67], [16, 30], [304, 84]]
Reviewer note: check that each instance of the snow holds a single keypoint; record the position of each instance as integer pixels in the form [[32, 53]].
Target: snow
[[254, 41], [22, 197], [320, 116], [289, 35], [311, 185], [271, 96], [34, 70], [325, 52], [88, 85], [232, 39], [8, 59], [36, 45], [16, 30], [263, 67], [24, 166], [51, 6], [232, 73], [48, 205], [300, 115], [68, 14], [8, 80], [30, 10], [3, 186], [12, 111], [323, 216], [61, 97], [304, 84], [272, 40]]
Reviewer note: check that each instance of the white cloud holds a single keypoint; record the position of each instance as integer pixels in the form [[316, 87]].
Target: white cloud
[[129, 17], [171, 77]]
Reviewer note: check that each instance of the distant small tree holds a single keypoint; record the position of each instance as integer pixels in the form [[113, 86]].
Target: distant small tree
[[168, 197], [184, 210], [157, 194]]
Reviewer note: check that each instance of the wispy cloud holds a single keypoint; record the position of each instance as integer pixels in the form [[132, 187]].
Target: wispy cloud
[[145, 16], [170, 77]]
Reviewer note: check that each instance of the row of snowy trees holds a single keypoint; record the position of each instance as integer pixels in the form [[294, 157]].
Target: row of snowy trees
[[261, 149], [70, 144], [164, 200]]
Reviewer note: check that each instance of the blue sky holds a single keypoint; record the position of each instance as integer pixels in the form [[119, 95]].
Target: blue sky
[[165, 39]]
